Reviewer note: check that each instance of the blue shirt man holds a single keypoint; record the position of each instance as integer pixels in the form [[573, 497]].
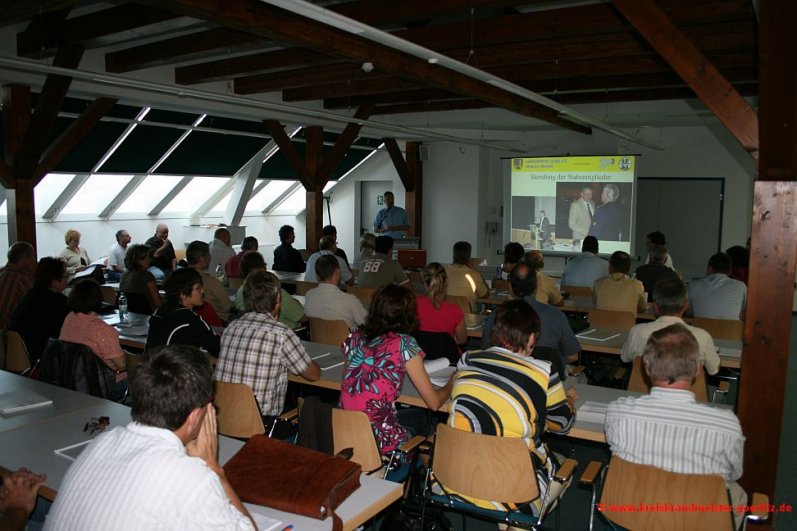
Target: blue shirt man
[[392, 220]]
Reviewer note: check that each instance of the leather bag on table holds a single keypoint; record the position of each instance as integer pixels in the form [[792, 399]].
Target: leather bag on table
[[290, 478]]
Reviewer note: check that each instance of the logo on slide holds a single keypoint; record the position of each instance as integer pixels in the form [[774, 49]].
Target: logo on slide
[[625, 164]]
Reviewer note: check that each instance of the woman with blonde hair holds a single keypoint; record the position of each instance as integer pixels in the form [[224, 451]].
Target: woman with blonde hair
[[367, 245], [76, 259], [434, 313]]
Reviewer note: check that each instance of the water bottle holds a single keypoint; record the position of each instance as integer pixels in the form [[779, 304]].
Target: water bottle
[[497, 272], [123, 315], [220, 273]]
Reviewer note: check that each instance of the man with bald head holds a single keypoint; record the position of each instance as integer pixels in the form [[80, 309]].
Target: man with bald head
[[163, 256], [16, 279]]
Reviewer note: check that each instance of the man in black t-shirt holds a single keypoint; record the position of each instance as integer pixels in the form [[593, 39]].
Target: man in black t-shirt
[[163, 256], [286, 258]]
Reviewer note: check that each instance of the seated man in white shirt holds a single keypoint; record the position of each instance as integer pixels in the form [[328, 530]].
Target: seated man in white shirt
[[669, 303], [668, 429], [160, 471], [717, 296], [116, 256], [327, 246], [327, 301]]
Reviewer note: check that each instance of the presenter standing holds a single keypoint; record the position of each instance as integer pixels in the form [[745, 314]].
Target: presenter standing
[[392, 220], [608, 222], [580, 217]]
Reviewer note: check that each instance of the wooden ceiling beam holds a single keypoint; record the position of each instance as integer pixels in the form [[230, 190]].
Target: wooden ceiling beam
[[73, 135], [252, 64], [13, 11], [404, 96], [272, 23], [379, 85], [191, 47], [100, 28], [695, 68], [278, 134], [399, 163], [432, 106], [302, 77], [344, 141]]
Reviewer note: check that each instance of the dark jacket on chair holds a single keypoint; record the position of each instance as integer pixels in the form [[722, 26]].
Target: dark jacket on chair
[[76, 367]]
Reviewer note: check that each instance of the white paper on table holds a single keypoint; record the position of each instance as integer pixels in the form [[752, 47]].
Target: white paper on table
[[729, 352], [72, 452], [598, 335], [592, 412], [264, 523], [435, 365], [21, 400]]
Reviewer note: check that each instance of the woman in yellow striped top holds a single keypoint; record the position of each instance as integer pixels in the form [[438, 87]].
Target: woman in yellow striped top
[[504, 391]]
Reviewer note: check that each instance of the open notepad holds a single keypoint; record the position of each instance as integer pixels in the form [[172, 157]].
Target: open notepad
[[592, 412], [439, 371], [598, 335], [21, 400]]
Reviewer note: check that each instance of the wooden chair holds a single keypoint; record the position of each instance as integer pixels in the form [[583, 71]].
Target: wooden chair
[[303, 287], [632, 484], [17, 357], [179, 254], [721, 328], [462, 302], [237, 412], [328, 332], [489, 467], [640, 382], [352, 429], [364, 294], [502, 285], [416, 279], [108, 294], [613, 319], [132, 361], [577, 291], [235, 283]]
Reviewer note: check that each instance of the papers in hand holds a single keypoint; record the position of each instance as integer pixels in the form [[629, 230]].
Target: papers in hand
[[439, 371], [598, 335], [592, 412], [21, 400]]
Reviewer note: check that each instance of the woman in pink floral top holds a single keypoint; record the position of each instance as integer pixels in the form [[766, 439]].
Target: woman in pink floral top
[[377, 357]]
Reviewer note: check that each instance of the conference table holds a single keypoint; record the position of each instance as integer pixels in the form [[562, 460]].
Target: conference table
[[576, 304], [31, 438]]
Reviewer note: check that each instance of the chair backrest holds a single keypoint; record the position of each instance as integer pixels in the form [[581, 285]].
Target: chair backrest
[[109, 295], [303, 287], [416, 280], [438, 345], [578, 291], [486, 467], [611, 319], [721, 328], [500, 284], [76, 367], [138, 303], [328, 331], [179, 254], [236, 411], [352, 429], [462, 302], [630, 484], [235, 283], [132, 361], [364, 294], [17, 358], [640, 381]]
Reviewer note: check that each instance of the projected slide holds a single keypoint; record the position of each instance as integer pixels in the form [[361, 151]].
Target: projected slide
[[558, 201]]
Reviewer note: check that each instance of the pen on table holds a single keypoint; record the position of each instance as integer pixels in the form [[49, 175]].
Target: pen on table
[[287, 528]]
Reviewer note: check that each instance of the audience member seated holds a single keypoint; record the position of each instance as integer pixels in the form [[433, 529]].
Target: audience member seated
[[669, 303], [740, 260], [522, 396], [327, 301], [380, 269], [116, 256], [327, 246], [463, 281], [513, 255], [331, 230], [618, 291], [585, 269], [18, 496], [175, 323], [198, 256], [232, 267], [668, 428], [291, 311], [655, 270], [555, 335], [286, 258], [76, 259], [41, 312], [259, 351], [378, 354], [161, 470], [138, 280], [82, 325], [434, 313], [717, 296], [367, 245], [657, 239], [547, 292], [16, 279], [220, 250], [163, 257]]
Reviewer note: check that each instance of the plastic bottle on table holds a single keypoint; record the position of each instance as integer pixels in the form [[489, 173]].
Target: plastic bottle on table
[[123, 315]]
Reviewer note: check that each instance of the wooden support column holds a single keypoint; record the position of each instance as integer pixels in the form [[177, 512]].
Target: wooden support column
[[773, 253], [410, 172], [16, 117], [314, 218]]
